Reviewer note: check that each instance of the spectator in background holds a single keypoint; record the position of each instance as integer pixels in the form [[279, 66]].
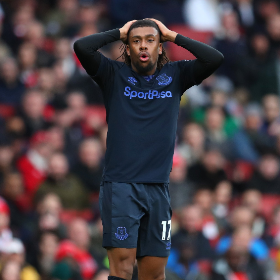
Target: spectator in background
[[11, 87], [192, 146], [253, 200], [64, 14], [10, 271], [22, 16], [246, 13], [221, 206], [242, 236], [27, 57], [180, 188], [6, 158], [12, 191], [272, 26], [35, 35], [44, 260], [48, 212], [182, 263], [272, 234], [190, 221], [240, 216], [266, 177], [76, 102], [269, 80], [73, 135], [204, 199], [56, 137], [46, 82], [68, 188], [4, 49], [64, 54], [33, 165], [33, 105], [249, 142], [209, 172], [256, 58], [215, 136], [196, 17], [231, 43], [5, 233], [266, 9], [89, 169], [237, 264], [78, 232], [271, 107], [13, 250]]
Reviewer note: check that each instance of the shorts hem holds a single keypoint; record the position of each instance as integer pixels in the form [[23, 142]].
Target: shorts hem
[[114, 246], [134, 182], [153, 255]]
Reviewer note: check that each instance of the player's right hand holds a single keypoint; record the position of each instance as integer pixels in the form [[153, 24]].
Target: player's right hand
[[124, 30]]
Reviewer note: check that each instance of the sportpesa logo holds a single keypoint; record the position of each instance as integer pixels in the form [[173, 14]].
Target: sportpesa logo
[[151, 94]]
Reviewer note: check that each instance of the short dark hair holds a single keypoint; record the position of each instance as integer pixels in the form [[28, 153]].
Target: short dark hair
[[162, 58]]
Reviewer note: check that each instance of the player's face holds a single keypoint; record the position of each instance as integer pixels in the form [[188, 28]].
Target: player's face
[[144, 48]]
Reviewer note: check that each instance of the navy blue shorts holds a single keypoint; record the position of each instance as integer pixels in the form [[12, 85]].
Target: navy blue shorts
[[138, 216]]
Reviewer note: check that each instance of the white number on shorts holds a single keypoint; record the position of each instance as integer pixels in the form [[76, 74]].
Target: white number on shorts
[[164, 229]]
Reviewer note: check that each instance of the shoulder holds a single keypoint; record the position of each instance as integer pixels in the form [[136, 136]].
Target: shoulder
[[181, 63], [115, 63]]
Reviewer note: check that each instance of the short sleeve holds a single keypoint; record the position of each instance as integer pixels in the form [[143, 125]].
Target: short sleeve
[[186, 69]]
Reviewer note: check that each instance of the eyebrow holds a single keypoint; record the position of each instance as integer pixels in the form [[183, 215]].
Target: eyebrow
[[148, 35]]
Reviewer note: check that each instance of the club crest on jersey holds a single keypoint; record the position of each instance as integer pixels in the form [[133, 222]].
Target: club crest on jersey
[[164, 80], [132, 80], [168, 246], [121, 233]]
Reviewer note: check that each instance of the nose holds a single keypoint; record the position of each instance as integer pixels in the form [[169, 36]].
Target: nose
[[143, 45]]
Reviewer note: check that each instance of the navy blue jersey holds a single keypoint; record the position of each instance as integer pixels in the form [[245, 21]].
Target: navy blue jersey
[[142, 119]]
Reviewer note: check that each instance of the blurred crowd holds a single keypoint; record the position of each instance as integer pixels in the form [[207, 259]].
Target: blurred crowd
[[225, 179]]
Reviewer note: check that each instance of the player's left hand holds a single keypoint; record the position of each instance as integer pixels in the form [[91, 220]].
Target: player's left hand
[[166, 34]]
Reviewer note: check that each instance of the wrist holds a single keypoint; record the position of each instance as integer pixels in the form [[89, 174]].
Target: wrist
[[171, 36], [122, 34]]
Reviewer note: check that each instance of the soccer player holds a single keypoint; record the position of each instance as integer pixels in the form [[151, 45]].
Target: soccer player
[[141, 97]]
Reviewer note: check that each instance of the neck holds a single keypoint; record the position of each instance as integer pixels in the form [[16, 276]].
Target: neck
[[148, 73]]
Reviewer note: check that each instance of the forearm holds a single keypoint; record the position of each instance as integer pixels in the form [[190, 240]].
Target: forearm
[[208, 59], [86, 48]]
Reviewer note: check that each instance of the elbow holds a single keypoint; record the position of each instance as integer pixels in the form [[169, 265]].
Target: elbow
[[217, 60], [77, 46], [220, 58]]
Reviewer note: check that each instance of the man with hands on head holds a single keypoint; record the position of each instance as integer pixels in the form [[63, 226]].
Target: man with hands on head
[[141, 97]]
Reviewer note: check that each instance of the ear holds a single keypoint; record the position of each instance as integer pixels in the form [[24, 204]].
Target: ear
[[160, 48], [128, 50]]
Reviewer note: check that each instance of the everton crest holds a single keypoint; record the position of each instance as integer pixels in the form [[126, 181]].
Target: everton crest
[[132, 80], [164, 80], [121, 233]]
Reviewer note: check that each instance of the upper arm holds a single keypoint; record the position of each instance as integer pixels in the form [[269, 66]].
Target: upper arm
[[89, 58]]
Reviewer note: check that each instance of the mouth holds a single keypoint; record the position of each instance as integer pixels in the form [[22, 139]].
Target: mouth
[[144, 56]]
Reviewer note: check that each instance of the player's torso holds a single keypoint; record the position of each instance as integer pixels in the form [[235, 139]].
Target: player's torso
[[142, 121], [135, 97]]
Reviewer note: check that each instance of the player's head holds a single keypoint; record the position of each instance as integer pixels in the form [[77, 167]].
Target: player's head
[[143, 47]]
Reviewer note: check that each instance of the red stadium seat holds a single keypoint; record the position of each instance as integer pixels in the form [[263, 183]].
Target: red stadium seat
[[177, 53], [6, 111], [269, 202]]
